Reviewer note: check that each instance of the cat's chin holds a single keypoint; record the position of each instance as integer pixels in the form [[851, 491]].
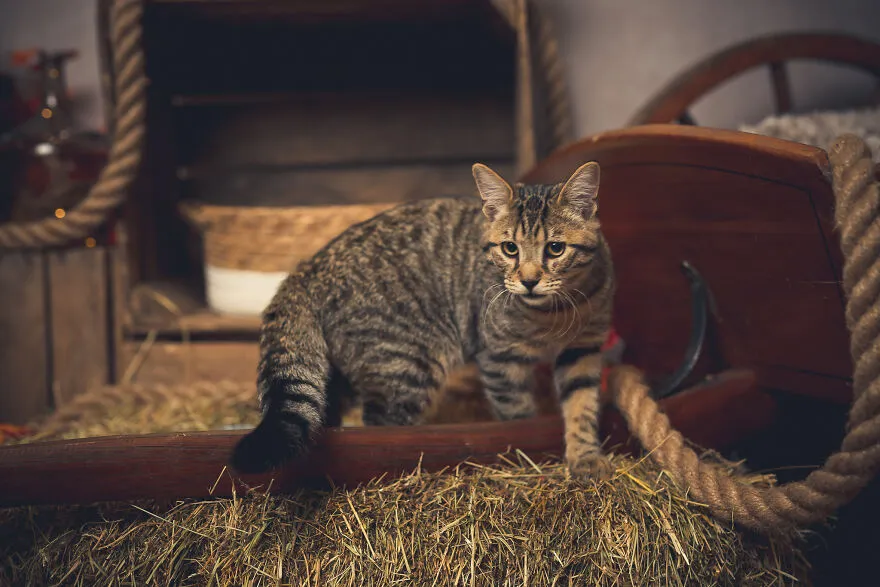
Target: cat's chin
[[534, 300]]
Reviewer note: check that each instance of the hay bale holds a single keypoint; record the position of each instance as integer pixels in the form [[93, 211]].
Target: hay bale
[[518, 523]]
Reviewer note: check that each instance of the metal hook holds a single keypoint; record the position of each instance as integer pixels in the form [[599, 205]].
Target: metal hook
[[700, 301]]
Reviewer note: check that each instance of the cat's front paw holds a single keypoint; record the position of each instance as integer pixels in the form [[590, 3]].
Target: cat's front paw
[[594, 465]]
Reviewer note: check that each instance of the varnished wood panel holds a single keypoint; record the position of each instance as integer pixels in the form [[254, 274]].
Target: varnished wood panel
[[753, 215], [756, 244], [24, 367]]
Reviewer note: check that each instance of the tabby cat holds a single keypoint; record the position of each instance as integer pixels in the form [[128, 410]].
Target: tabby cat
[[380, 315]]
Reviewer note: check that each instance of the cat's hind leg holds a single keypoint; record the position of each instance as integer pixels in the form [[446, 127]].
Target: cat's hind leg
[[397, 387]]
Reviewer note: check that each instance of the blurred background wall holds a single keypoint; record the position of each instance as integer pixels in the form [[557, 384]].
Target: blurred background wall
[[617, 52]]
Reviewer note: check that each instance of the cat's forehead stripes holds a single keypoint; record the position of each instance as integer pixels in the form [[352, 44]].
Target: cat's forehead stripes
[[531, 204]]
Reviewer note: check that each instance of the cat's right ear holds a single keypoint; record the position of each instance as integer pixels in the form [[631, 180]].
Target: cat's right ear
[[496, 193]]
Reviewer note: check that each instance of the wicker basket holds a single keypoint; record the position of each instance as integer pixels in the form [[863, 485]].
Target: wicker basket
[[249, 250]]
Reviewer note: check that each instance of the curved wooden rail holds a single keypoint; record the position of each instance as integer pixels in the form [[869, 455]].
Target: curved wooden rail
[[673, 101], [173, 466], [754, 215]]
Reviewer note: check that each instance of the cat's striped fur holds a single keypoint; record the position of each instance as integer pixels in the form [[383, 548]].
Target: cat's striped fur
[[380, 315]]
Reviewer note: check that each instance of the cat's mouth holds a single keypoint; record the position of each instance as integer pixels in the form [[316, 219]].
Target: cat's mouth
[[533, 299]]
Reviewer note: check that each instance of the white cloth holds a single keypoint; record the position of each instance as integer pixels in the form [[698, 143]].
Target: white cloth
[[821, 128]]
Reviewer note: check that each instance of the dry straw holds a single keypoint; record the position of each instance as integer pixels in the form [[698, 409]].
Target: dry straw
[[518, 523]]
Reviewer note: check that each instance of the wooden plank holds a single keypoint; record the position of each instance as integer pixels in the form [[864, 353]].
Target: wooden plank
[[80, 330], [324, 187], [200, 322], [345, 127], [191, 464], [175, 362], [120, 318], [24, 366]]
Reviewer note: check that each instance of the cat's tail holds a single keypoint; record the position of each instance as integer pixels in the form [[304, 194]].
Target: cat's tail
[[292, 382]]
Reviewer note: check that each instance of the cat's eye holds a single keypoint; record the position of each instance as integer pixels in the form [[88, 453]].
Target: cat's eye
[[555, 249], [509, 249]]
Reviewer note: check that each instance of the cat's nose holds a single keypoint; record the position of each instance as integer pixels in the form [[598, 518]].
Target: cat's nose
[[529, 284]]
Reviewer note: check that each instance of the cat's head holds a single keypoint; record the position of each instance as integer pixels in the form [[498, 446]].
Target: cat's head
[[543, 237]]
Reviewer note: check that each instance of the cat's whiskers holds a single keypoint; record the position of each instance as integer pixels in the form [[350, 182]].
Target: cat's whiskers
[[549, 332], [486, 313], [489, 291], [490, 318], [562, 312], [558, 311], [588, 300], [568, 299], [495, 291], [577, 312]]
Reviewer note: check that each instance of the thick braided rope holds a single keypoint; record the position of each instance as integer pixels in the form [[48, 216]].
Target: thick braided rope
[[538, 44], [558, 103], [846, 472], [110, 189]]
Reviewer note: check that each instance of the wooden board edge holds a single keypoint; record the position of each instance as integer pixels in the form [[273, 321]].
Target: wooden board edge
[[194, 465]]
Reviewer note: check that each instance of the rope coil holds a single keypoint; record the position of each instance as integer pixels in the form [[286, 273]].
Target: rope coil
[[846, 472], [109, 191]]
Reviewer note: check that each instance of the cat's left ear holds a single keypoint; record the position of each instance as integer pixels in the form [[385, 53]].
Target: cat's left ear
[[581, 191], [496, 193]]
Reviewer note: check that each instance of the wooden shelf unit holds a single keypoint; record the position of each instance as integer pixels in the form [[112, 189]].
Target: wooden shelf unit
[[264, 102]]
